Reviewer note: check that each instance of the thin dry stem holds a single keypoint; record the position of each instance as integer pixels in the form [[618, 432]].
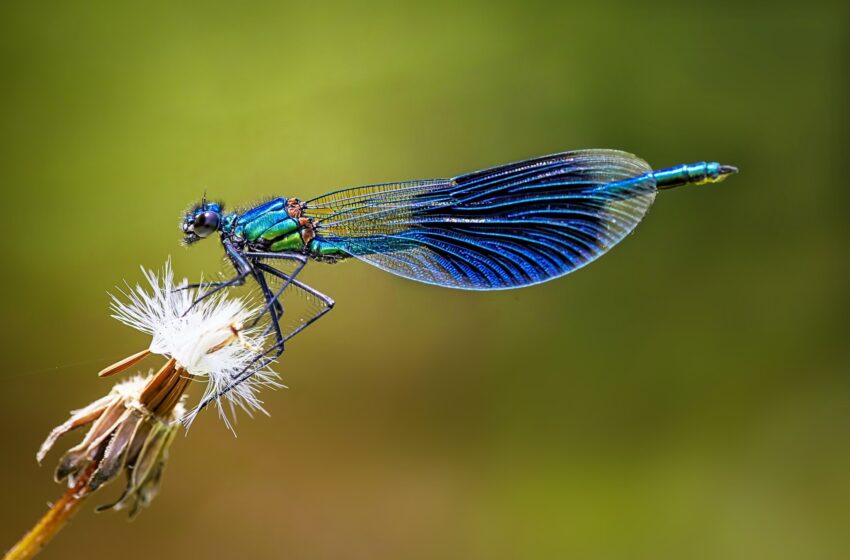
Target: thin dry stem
[[52, 522]]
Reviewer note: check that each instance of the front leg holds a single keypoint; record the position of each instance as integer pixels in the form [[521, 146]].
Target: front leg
[[240, 263], [302, 261], [274, 317]]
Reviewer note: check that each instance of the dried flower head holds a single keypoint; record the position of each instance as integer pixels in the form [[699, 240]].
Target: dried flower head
[[131, 430], [132, 427]]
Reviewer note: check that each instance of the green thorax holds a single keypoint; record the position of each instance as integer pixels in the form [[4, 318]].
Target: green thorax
[[273, 227]]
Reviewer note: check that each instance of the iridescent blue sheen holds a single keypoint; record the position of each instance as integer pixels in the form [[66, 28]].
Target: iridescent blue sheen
[[505, 227]]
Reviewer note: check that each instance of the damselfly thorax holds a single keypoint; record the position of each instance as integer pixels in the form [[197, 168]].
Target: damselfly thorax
[[277, 225]]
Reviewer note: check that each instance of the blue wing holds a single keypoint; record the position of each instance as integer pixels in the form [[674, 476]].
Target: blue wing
[[505, 227]]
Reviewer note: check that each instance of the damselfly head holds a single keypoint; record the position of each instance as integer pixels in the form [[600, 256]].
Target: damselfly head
[[202, 220]]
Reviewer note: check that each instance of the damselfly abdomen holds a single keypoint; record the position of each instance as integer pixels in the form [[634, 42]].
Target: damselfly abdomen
[[506, 227]]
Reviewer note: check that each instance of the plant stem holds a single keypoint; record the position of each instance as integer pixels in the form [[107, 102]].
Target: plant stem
[[53, 521]]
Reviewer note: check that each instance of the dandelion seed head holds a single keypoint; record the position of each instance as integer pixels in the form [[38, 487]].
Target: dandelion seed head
[[198, 336]]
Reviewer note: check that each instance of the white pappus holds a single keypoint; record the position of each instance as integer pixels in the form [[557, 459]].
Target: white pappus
[[208, 339]]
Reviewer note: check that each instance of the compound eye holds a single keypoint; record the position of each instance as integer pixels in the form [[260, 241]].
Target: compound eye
[[205, 223]]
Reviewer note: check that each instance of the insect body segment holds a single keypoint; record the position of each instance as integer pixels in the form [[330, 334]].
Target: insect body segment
[[326, 251], [695, 173], [275, 226]]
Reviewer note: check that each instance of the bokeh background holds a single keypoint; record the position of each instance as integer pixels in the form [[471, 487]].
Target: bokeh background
[[687, 396]]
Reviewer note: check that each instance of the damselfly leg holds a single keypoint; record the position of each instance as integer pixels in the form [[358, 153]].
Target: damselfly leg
[[214, 287], [243, 269], [269, 297], [266, 357], [251, 369], [290, 280]]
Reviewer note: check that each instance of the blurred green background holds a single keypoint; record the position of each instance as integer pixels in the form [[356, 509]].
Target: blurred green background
[[687, 396]]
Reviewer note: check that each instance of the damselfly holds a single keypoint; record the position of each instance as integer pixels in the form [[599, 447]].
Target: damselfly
[[506, 227]]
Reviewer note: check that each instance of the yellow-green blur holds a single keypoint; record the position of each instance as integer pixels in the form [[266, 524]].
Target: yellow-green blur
[[686, 397]]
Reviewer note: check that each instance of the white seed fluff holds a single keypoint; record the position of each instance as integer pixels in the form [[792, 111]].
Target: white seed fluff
[[162, 310]]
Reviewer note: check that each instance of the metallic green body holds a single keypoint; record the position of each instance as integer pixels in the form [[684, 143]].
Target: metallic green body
[[282, 228], [320, 248], [291, 242], [268, 226]]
